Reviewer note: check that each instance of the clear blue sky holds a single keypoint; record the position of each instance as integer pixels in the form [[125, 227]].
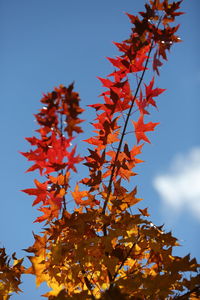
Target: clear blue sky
[[46, 43]]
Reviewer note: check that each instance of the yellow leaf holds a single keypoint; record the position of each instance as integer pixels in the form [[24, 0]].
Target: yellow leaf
[[130, 198], [56, 288], [37, 269]]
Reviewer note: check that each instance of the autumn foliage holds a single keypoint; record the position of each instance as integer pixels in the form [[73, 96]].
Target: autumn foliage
[[104, 248]]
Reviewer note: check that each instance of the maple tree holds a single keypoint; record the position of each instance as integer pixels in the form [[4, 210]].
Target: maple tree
[[101, 249]]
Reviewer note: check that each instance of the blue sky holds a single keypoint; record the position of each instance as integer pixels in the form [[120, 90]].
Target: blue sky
[[46, 43]]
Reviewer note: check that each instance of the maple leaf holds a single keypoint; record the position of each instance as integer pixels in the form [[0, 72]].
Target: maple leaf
[[141, 128], [72, 160], [95, 141], [38, 269], [171, 8], [50, 212], [144, 212], [95, 160], [116, 62], [79, 195], [129, 199], [38, 248], [123, 47], [40, 191], [72, 126], [156, 4], [137, 63], [60, 179], [150, 13], [150, 92], [106, 82]]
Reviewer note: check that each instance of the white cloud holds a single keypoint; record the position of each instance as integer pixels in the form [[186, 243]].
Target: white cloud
[[179, 187]]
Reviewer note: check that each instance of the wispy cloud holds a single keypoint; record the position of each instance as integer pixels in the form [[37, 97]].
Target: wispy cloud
[[179, 187]]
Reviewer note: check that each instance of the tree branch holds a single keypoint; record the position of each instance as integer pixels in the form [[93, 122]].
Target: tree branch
[[124, 131]]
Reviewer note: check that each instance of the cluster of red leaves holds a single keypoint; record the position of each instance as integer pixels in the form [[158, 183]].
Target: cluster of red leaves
[[150, 33], [58, 120]]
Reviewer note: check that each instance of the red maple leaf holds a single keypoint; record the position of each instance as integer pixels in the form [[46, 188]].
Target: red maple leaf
[[150, 92], [141, 128], [72, 160], [40, 192], [50, 212]]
